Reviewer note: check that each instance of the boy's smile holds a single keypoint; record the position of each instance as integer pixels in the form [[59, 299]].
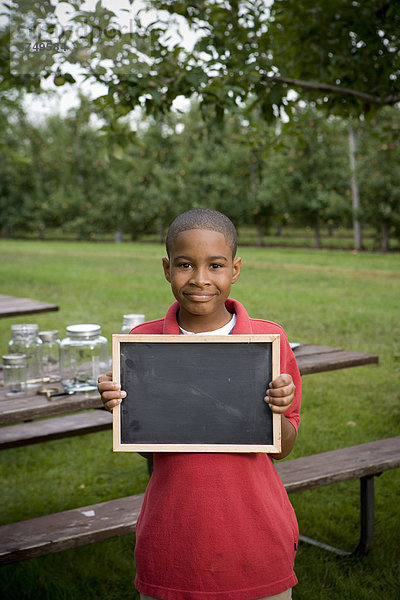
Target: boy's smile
[[201, 270]]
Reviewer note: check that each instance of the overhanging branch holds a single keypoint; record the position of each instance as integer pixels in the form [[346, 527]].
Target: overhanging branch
[[335, 89]]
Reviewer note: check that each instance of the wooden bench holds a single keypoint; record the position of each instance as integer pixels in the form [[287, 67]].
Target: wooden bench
[[81, 526], [54, 428], [362, 462]]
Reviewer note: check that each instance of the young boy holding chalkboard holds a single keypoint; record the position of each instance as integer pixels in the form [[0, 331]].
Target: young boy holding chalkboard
[[215, 526]]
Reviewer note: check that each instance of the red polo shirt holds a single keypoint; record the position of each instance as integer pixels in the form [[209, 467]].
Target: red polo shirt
[[217, 526]]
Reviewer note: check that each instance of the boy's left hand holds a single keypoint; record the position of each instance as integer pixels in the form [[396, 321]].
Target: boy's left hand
[[280, 394]]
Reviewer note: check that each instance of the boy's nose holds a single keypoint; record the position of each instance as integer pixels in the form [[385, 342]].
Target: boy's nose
[[200, 277]]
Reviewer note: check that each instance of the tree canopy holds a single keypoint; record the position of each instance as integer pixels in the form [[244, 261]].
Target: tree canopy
[[343, 55]]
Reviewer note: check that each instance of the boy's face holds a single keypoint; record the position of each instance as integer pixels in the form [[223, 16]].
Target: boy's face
[[201, 271]]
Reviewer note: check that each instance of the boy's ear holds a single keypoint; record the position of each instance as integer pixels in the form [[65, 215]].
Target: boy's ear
[[237, 265], [165, 264]]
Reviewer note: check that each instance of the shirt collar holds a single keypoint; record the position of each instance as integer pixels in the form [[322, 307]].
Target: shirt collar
[[242, 326]]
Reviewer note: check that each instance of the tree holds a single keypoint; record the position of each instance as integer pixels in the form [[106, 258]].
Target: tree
[[379, 167], [308, 173], [349, 62], [343, 55], [214, 165], [158, 165], [15, 167]]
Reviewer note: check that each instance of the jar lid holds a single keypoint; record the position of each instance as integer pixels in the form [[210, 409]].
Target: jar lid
[[133, 319], [49, 336], [17, 360], [25, 328], [83, 331]]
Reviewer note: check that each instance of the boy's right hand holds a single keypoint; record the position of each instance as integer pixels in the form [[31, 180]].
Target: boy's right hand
[[111, 393]]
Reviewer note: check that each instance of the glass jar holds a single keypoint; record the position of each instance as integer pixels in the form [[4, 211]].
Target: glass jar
[[84, 356], [130, 321], [25, 340], [50, 355], [14, 374]]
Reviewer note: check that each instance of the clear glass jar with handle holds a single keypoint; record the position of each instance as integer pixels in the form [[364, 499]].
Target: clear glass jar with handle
[[25, 340], [84, 356]]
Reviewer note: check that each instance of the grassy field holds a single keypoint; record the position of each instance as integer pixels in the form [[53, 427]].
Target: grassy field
[[333, 298]]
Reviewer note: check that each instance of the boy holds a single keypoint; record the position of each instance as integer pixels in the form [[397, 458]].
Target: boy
[[215, 526]]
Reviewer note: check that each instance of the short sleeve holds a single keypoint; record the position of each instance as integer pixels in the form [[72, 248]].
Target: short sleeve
[[289, 365]]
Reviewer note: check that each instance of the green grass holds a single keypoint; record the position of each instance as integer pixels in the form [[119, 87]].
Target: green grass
[[327, 297]]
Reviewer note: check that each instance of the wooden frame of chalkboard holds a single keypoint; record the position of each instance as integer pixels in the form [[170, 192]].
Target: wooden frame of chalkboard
[[195, 393]]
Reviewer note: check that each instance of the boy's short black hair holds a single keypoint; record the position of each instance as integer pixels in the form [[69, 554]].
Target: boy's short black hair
[[202, 218]]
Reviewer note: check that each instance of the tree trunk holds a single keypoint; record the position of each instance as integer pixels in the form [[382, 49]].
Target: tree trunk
[[384, 237], [355, 194], [161, 232], [317, 233], [254, 182], [79, 157], [260, 232]]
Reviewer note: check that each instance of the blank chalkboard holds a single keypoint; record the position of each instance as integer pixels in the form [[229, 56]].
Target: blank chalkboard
[[198, 393]]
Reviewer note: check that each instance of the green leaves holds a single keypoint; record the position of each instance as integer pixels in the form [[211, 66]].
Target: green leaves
[[344, 56], [341, 44], [66, 174]]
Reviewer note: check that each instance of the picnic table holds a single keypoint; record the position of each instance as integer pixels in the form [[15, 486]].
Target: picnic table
[[310, 359], [12, 306], [70, 529]]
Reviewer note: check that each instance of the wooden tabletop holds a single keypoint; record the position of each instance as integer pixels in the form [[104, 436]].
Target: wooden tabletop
[[12, 306], [34, 406], [311, 359], [317, 359]]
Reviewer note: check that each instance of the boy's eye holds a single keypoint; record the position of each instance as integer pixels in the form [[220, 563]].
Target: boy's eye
[[184, 265], [216, 266]]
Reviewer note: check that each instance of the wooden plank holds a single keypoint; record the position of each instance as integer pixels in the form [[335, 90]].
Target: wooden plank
[[306, 349], [339, 465], [14, 410], [276, 419], [54, 428], [69, 529], [12, 306], [319, 359]]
